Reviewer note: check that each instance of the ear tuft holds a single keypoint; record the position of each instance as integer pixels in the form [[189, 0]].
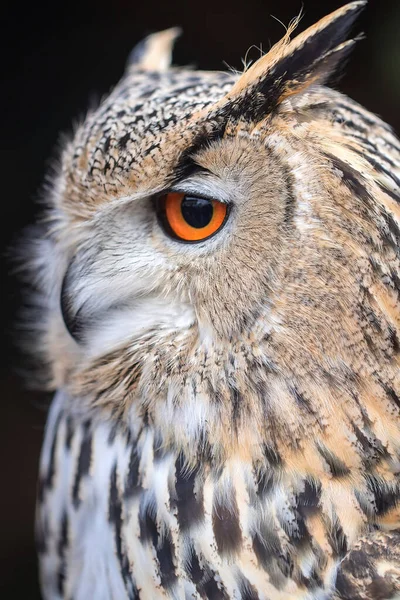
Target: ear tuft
[[291, 66], [154, 53]]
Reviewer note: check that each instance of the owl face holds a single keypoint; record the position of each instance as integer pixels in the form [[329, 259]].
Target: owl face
[[222, 255], [135, 267]]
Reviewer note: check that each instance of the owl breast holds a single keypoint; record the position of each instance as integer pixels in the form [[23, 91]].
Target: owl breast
[[121, 518]]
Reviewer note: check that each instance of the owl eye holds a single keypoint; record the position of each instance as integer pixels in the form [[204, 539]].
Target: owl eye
[[190, 218]]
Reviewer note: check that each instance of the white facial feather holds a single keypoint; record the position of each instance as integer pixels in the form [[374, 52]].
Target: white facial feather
[[130, 324]]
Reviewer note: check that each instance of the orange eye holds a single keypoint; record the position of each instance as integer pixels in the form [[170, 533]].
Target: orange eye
[[191, 218]]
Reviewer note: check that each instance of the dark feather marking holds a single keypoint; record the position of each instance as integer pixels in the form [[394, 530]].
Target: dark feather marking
[[308, 500], [83, 463], [335, 464], [382, 589], [132, 486], [358, 578], [359, 567], [186, 165], [192, 566], [189, 504], [261, 551], [337, 539], [394, 340], [165, 555], [290, 201], [299, 536], [226, 526], [353, 181], [364, 503], [360, 564], [391, 394], [211, 590], [69, 424], [363, 440], [147, 523], [351, 178], [266, 481], [396, 281], [285, 564], [246, 589], [393, 229], [392, 144], [368, 313], [272, 455], [61, 548], [271, 560], [267, 548], [237, 404], [369, 146], [205, 453], [372, 447], [123, 141], [116, 519], [112, 434], [315, 580], [339, 117], [378, 166], [301, 401], [370, 343], [353, 109], [386, 497], [345, 588], [312, 582]]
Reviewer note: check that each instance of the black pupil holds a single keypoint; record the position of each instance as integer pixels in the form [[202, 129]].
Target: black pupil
[[197, 212]]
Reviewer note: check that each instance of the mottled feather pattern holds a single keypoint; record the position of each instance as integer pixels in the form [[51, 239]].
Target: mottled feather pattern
[[190, 532], [227, 417]]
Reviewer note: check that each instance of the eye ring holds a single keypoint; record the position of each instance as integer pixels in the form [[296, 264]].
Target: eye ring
[[189, 218]]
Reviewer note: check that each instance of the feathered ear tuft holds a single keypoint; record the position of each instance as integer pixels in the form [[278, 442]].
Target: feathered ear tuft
[[154, 53], [291, 66]]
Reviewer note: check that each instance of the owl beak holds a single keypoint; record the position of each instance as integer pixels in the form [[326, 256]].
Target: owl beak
[[73, 319], [80, 310], [77, 310]]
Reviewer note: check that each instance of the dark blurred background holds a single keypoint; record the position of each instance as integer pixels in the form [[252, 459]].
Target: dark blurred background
[[60, 56]]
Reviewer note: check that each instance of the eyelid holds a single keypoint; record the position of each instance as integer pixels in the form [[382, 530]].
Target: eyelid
[[196, 194], [198, 189]]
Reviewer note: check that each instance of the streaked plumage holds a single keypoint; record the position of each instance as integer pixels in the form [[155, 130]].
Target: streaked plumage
[[226, 423]]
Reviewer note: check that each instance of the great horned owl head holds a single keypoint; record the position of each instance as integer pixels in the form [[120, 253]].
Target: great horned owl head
[[221, 251]]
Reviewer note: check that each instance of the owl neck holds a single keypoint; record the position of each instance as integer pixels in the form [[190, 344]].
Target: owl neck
[[212, 403]]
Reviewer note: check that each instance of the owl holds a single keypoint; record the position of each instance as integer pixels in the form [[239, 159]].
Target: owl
[[218, 279]]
